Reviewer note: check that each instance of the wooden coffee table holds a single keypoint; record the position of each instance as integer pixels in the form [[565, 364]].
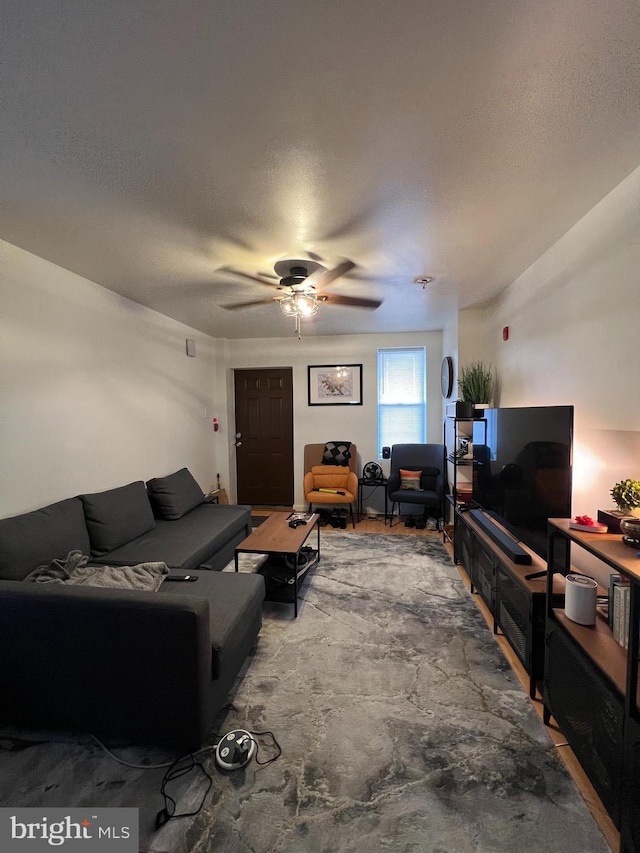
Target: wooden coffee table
[[276, 539]]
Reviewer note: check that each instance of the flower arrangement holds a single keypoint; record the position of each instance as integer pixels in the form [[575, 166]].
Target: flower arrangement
[[626, 495], [476, 383]]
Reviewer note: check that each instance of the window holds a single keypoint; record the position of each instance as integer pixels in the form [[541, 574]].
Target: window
[[402, 396]]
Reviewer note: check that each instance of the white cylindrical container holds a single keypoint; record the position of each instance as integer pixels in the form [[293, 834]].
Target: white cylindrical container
[[580, 599]]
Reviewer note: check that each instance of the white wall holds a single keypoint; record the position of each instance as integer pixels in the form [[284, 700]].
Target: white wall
[[350, 423], [96, 390], [450, 348], [474, 339], [574, 319]]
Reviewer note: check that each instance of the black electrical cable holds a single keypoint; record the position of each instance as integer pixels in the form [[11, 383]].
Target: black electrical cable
[[276, 744], [176, 771]]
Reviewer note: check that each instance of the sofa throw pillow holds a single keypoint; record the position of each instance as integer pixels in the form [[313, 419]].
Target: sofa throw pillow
[[410, 480], [175, 495], [429, 479], [117, 516], [336, 453]]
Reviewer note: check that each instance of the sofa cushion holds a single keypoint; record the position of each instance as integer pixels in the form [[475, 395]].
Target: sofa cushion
[[187, 542], [174, 496], [330, 477], [235, 605], [35, 538], [117, 516], [429, 479]]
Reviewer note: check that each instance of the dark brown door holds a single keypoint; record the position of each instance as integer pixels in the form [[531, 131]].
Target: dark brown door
[[264, 448]]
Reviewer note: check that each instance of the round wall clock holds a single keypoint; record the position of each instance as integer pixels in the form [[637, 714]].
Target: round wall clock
[[446, 376]]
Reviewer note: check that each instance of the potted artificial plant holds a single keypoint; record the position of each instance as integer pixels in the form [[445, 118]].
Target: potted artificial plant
[[626, 495], [476, 384]]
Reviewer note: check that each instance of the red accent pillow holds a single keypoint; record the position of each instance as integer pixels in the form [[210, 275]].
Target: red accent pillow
[[410, 480]]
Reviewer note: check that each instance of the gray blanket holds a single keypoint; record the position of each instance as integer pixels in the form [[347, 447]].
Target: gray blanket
[[74, 570]]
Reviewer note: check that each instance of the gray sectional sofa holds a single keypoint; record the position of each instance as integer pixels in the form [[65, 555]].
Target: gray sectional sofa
[[152, 667]]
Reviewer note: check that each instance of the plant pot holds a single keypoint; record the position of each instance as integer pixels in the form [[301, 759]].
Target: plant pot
[[459, 409], [630, 528], [630, 511]]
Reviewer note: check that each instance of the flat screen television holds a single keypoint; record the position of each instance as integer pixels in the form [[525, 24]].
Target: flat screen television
[[522, 470]]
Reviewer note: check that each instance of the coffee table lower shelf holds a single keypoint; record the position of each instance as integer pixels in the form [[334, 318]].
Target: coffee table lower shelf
[[281, 581]]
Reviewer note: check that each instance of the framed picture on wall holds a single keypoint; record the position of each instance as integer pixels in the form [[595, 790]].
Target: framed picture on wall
[[335, 384]]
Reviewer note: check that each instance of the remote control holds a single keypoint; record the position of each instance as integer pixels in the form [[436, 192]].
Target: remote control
[[188, 578]]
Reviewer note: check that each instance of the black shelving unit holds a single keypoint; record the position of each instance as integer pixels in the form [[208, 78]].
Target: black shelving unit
[[458, 440], [591, 682], [457, 437]]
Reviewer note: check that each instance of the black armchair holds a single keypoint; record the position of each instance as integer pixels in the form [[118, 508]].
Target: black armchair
[[430, 461]]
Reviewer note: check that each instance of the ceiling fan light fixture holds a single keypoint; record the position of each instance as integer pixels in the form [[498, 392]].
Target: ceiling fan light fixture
[[287, 306], [299, 305], [307, 304]]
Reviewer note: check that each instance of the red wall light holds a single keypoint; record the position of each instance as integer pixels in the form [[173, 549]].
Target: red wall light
[[505, 333]]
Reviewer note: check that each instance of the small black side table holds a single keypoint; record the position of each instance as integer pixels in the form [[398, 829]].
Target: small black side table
[[363, 483]]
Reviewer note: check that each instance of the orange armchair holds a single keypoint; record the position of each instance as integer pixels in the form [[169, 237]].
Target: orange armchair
[[340, 479]]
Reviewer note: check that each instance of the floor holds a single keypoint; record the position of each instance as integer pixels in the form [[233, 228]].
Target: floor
[[377, 525]]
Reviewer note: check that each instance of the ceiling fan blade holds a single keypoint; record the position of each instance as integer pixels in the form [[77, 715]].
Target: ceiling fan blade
[[249, 276], [352, 301], [239, 305], [323, 278]]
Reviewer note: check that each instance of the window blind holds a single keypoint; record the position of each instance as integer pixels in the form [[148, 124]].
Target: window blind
[[402, 398]]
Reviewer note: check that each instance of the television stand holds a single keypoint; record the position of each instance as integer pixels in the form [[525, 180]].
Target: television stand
[[514, 594]]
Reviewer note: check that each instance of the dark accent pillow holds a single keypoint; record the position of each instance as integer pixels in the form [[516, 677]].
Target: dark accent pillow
[[117, 516], [175, 495], [429, 479], [36, 538], [336, 453]]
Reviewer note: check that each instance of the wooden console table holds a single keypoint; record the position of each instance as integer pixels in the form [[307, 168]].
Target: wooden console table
[[591, 683]]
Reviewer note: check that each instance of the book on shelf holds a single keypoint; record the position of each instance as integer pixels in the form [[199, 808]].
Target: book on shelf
[[613, 580], [602, 607], [619, 605], [619, 614]]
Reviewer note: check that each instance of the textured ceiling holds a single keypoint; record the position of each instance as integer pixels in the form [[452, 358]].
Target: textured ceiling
[[146, 144]]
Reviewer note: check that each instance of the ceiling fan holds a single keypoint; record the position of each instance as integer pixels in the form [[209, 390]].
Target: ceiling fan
[[299, 283]]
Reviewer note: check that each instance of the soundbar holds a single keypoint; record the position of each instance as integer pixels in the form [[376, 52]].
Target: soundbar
[[506, 544]]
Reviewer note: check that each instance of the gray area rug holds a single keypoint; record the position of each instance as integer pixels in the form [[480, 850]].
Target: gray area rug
[[402, 729]]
